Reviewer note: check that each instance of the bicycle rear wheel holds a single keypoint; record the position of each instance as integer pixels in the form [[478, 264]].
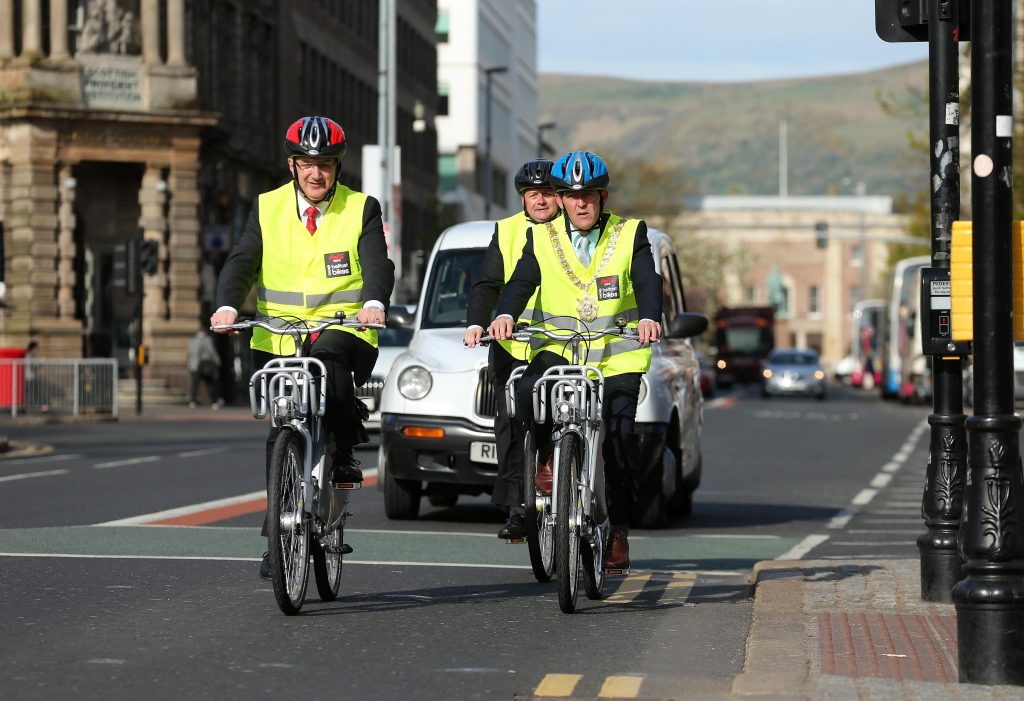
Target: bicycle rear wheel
[[287, 525], [567, 533], [539, 532], [327, 565]]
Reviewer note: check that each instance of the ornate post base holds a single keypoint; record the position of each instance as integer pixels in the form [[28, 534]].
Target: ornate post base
[[942, 505], [990, 601], [941, 566]]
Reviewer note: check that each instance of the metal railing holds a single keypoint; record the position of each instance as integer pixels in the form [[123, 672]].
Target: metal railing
[[75, 387]]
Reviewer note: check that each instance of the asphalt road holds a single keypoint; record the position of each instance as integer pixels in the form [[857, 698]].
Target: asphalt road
[[96, 600]]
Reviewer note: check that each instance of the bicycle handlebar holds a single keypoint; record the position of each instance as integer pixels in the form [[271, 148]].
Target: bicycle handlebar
[[567, 334], [295, 327]]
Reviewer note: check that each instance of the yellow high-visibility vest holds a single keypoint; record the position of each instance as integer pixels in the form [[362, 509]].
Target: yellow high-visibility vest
[[511, 239], [606, 281], [305, 276]]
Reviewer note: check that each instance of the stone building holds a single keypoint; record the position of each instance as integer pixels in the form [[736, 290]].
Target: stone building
[[166, 118]]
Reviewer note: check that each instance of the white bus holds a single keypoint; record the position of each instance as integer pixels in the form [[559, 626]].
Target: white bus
[[865, 337], [897, 332]]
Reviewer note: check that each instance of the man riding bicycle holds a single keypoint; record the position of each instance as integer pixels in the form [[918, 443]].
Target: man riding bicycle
[[539, 206], [315, 248], [592, 266]]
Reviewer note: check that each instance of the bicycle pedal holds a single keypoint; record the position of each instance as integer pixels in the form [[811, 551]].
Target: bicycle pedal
[[515, 541], [347, 485], [616, 571]]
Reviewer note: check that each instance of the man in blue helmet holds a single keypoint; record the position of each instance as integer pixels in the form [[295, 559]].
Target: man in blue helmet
[[608, 274], [539, 206]]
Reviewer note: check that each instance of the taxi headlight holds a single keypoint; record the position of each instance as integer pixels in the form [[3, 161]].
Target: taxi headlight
[[643, 391], [767, 374], [415, 382]]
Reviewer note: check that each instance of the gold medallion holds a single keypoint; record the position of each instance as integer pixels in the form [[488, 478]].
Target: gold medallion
[[586, 307]]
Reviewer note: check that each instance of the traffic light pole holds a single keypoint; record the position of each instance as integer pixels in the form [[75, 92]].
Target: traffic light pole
[[990, 600], [942, 505]]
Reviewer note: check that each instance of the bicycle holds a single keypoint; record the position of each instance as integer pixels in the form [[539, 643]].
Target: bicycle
[[575, 511], [293, 390]]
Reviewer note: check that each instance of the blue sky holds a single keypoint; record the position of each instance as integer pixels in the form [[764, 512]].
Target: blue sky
[[714, 40]]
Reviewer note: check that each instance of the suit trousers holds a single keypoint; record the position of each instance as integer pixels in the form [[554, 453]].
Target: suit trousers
[[349, 361], [508, 432], [619, 447]]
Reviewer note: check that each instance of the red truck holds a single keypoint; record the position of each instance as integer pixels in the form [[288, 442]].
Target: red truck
[[744, 337]]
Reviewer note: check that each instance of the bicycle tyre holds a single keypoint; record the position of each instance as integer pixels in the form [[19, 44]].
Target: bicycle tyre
[[567, 537], [327, 565], [288, 546], [539, 533]]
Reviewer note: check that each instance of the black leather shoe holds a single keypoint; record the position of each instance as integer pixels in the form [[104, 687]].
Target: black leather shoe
[[345, 468], [514, 528], [265, 566]]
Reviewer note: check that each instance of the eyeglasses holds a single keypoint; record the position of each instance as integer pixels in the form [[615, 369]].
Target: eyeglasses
[[322, 166]]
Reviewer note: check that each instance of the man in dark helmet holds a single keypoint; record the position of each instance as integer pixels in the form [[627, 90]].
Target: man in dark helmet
[[500, 260], [314, 248]]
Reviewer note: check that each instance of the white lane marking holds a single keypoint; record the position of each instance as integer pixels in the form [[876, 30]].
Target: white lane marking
[[443, 533], [881, 480], [843, 517], [892, 466], [43, 458], [184, 510], [729, 535], [864, 497], [30, 475], [197, 453], [129, 461], [893, 531], [391, 563], [803, 547]]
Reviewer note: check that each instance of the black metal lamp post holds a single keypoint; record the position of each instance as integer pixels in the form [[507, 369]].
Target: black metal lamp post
[[941, 566], [488, 72], [990, 601]]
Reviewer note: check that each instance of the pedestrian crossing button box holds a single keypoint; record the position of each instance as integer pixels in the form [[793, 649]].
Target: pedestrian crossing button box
[[936, 315]]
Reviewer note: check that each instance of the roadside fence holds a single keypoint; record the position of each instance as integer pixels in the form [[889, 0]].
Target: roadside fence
[[75, 387]]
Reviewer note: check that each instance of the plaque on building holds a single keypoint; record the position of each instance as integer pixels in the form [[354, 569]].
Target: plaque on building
[[111, 81]]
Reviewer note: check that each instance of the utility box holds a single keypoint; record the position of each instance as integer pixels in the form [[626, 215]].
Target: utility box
[[937, 315], [961, 265]]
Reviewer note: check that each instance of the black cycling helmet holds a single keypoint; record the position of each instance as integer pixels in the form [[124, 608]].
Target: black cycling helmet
[[315, 136], [579, 170], [533, 174]]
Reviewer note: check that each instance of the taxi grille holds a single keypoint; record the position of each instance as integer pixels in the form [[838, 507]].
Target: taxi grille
[[486, 404], [371, 390]]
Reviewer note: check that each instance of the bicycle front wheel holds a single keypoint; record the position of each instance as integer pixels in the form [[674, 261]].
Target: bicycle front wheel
[[567, 532], [287, 524], [327, 565], [539, 532]]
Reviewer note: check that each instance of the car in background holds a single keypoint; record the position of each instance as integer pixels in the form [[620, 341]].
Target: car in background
[[793, 371], [438, 404], [391, 343]]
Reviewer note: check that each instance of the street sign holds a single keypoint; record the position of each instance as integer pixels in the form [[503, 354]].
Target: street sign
[[907, 20]]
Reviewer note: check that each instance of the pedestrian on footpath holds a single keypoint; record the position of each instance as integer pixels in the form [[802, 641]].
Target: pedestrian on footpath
[[539, 206], [204, 366]]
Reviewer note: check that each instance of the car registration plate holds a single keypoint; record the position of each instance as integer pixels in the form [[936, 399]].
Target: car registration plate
[[480, 451]]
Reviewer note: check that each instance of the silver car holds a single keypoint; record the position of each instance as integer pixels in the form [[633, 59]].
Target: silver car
[[438, 407], [793, 371]]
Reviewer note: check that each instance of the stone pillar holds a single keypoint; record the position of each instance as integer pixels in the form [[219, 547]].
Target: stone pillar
[[59, 29], [150, 11], [66, 250], [31, 28], [176, 32], [6, 29], [153, 222]]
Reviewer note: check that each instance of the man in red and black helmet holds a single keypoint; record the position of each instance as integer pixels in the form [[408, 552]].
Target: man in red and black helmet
[[314, 248], [503, 253]]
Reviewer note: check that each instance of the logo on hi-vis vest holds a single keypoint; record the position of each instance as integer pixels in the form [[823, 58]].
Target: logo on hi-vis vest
[[337, 264], [608, 287]]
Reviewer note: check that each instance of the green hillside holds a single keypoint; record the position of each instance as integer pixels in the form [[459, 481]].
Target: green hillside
[[727, 134]]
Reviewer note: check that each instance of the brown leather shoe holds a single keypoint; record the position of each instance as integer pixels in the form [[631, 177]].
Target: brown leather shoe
[[544, 478], [616, 556]]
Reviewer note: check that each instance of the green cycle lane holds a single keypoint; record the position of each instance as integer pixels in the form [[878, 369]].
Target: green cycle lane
[[656, 553]]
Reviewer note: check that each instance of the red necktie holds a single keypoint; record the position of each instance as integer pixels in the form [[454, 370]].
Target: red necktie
[[311, 220]]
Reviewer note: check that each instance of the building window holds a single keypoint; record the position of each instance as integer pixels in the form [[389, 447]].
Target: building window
[[813, 300], [442, 100], [441, 28], [447, 172]]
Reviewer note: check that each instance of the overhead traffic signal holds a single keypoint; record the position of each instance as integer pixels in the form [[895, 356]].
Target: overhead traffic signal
[[821, 234], [907, 20], [149, 256]]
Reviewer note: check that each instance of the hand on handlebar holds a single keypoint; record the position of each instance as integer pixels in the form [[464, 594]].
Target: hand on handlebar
[[371, 315], [501, 328], [224, 317], [649, 331], [472, 336]]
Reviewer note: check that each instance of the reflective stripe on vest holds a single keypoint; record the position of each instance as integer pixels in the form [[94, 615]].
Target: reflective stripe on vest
[[511, 239], [309, 277], [558, 296]]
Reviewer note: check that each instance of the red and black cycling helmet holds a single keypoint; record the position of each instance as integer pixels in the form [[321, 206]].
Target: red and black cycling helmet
[[315, 136]]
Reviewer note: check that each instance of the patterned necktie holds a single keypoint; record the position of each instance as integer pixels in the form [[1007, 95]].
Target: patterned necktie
[[582, 246], [311, 213]]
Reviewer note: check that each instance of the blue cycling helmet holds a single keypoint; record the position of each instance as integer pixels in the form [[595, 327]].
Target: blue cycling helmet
[[579, 170]]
